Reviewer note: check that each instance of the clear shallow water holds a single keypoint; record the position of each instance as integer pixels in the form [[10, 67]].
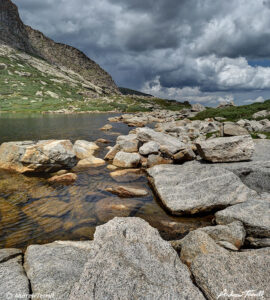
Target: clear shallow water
[[33, 211]]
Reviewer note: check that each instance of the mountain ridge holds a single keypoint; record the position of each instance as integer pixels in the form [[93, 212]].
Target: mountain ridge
[[14, 33]]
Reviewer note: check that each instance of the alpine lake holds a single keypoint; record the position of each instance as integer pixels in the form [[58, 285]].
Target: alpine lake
[[32, 211]]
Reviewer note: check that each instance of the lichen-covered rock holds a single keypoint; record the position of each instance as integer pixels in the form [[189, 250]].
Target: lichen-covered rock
[[226, 149], [129, 260], [41, 156], [193, 187]]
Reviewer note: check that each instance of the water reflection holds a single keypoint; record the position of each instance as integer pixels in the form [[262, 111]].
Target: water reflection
[[33, 211]]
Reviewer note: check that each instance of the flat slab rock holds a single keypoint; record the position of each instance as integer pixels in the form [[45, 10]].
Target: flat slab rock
[[54, 268], [227, 149], [254, 214], [194, 188], [13, 280], [220, 274], [129, 260]]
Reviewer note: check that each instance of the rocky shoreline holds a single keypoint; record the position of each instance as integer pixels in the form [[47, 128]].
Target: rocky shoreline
[[194, 167]]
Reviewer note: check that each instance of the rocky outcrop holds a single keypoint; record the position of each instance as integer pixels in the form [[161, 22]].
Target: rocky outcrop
[[232, 129], [194, 188], [41, 156], [129, 260], [54, 268], [15, 34], [229, 149]]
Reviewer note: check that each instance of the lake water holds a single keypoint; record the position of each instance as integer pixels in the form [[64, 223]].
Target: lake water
[[33, 211]]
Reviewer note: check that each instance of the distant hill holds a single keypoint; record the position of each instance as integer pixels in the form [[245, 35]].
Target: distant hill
[[126, 91]]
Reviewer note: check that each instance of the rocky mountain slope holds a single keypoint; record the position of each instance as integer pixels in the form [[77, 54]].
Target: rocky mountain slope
[[19, 36]]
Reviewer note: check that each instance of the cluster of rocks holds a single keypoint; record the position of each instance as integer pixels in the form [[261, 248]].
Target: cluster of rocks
[[49, 156], [129, 260]]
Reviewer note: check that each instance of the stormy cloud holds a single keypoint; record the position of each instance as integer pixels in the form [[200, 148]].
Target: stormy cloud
[[197, 50]]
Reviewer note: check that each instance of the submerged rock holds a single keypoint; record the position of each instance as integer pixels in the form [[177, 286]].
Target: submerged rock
[[226, 149], [127, 192], [65, 178], [41, 156], [54, 268], [129, 260], [193, 188]]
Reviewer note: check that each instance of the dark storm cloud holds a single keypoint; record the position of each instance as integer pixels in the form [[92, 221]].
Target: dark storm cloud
[[187, 49]]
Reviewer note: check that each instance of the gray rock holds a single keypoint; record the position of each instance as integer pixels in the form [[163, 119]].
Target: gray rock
[[261, 114], [197, 243], [154, 160], [171, 144], [220, 274], [254, 214], [197, 107], [257, 242], [193, 187], [129, 260], [232, 129], [54, 268], [256, 173], [233, 233], [149, 148], [128, 143], [42, 156], [126, 160], [13, 280], [226, 149], [6, 254]]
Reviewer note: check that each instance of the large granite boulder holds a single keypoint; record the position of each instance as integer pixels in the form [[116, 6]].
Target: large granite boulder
[[193, 187], [54, 268], [13, 281], [168, 143], [226, 149], [129, 260], [41, 156], [233, 275], [254, 214]]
